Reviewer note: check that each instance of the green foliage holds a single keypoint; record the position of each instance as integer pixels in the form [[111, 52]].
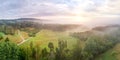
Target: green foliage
[[31, 52], [8, 50], [1, 35], [88, 46], [22, 54], [50, 45], [44, 54], [106, 56], [62, 52]]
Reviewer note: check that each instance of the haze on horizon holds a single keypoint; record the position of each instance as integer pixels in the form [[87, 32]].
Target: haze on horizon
[[87, 12]]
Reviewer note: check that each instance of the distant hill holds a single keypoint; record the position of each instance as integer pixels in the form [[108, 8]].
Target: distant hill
[[103, 28], [38, 24], [22, 19], [27, 19]]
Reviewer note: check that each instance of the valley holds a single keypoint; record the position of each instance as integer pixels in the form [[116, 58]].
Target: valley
[[38, 41]]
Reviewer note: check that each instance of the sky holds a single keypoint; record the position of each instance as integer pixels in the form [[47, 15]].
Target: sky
[[71, 11]]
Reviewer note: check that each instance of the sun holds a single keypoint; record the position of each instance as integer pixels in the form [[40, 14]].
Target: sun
[[79, 19]]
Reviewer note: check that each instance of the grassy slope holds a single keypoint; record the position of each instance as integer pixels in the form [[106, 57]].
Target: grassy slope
[[2, 35], [112, 54], [45, 36], [15, 38]]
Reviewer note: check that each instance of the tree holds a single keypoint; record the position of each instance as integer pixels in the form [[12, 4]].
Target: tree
[[61, 51], [52, 52], [22, 54], [44, 54], [50, 45], [1, 35], [77, 52], [8, 50], [34, 51]]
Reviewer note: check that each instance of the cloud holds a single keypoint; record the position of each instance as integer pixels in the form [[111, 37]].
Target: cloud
[[90, 9], [111, 7], [10, 8], [30, 8]]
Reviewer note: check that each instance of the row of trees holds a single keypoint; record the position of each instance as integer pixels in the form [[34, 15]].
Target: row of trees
[[10, 26], [11, 51], [8, 50], [7, 29], [93, 46]]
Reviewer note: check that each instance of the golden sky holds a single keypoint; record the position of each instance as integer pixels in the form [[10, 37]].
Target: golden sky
[[72, 11]]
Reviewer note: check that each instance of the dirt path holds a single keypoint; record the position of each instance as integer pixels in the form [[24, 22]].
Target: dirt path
[[23, 40]]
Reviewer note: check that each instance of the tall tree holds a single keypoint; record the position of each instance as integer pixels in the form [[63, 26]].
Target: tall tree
[[52, 52], [8, 50]]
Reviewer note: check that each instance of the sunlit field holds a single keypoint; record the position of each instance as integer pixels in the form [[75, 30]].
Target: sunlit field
[[38, 41], [59, 29]]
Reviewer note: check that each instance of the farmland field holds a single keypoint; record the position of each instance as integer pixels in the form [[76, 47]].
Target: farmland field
[[35, 41]]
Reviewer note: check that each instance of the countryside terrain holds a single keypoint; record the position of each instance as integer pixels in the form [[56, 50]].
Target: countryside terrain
[[35, 39]]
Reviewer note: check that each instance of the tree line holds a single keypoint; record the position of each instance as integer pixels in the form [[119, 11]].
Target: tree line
[[11, 26], [93, 46]]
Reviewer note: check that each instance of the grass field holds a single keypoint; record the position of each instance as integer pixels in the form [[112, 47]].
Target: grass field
[[16, 37], [43, 37], [112, 54]]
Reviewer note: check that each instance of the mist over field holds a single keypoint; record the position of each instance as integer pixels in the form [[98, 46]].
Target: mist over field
[[59, 29]]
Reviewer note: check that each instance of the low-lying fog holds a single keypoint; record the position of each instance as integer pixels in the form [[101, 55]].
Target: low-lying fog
[[89, 23]]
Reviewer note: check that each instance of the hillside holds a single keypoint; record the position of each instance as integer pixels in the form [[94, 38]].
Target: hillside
[[65, 41]]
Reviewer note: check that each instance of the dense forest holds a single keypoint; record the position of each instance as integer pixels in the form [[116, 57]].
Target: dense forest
[[88, 45], [10, 26]]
